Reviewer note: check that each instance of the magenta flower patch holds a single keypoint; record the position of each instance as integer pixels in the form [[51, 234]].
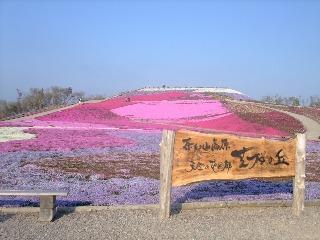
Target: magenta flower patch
[[62, 139], [234, 124]]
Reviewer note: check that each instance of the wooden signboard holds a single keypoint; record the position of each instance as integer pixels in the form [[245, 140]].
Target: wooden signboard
[[188, 157], [199, 157]]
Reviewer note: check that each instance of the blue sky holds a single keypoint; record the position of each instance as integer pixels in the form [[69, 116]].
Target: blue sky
[[104, 47]]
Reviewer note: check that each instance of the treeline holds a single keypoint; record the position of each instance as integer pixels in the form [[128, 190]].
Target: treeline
[[37, 99], [312, 101]]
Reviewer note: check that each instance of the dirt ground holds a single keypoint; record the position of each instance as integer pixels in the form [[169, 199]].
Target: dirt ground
[[222, 223]]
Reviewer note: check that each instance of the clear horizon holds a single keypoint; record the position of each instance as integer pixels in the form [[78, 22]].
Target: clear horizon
[[258, 48]]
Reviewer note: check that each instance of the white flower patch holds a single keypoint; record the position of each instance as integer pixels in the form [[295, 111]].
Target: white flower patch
[[14, 133], [195, 89]]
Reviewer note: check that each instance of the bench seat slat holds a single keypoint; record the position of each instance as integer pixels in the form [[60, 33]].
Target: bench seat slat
[[32, 193]]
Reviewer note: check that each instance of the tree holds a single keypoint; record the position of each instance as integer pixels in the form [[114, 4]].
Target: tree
[[39, 98], [19, 93], [289, 101], [314, 101], [34, 100], [3, 108], [294, 101], [267, 99]]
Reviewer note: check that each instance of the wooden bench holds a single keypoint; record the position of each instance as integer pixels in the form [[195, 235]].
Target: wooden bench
[[47, 200]]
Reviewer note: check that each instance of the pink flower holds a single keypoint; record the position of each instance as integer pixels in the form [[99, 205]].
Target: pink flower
[[166, 110], [62, 139]]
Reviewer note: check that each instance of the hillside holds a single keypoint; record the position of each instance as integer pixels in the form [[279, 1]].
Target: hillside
[[154, 109], [107, 152]]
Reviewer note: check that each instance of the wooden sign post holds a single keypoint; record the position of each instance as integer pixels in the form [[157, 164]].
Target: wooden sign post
[[187, 157], [298, 184], [166, 156]]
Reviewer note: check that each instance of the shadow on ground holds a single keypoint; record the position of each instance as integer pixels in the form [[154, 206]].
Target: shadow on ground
[[5, 217], [243, 190], [31, 203]]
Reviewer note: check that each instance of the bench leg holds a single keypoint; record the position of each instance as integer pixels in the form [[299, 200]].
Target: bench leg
[[47, 208]]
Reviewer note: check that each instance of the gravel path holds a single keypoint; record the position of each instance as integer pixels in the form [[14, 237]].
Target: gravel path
[[223, 223], [312, 127]]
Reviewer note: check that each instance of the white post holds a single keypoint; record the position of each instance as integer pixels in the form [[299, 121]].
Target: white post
[[166, 158], [299, 179]]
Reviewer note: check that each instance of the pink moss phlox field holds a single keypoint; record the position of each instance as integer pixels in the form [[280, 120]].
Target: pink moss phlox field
[[144, 111], [151, 111], [291, 124], [155, 110], [233, 123], [35, 123], [101, 113], [61, 140], [88, 112]]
